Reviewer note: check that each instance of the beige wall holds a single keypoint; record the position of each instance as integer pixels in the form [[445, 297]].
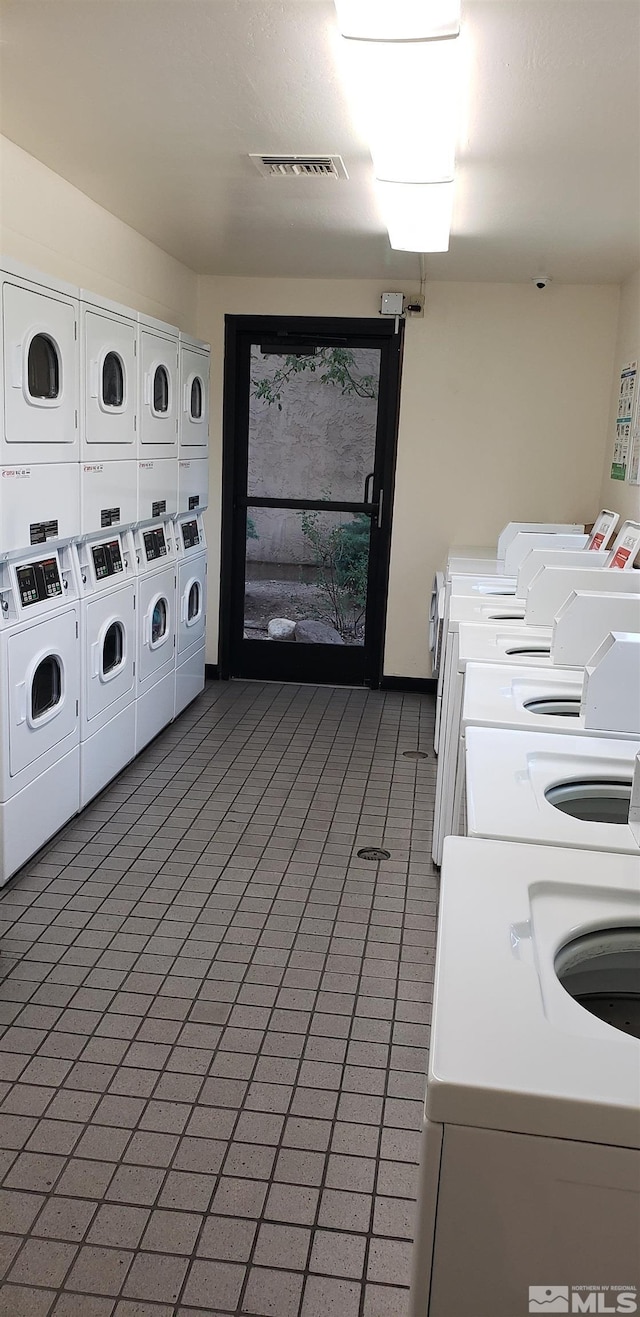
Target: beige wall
[[505, 396], [505, 393], [50, 225], [618, 494]]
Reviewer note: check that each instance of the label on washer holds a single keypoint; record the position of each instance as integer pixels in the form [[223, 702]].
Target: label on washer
[[194, 502], [158, 508], [109, 516], [41, 531]]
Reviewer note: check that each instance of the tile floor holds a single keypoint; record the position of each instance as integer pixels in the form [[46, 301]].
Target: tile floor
[[215, 1020]]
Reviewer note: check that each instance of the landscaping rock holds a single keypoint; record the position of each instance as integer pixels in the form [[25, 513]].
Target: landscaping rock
[[311, 632], [280, 628]]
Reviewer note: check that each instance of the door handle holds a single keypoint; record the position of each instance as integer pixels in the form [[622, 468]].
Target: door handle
[[366, 486], [380, 501]]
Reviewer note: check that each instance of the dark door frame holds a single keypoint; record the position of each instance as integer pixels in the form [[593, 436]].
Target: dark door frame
[[388, 334]]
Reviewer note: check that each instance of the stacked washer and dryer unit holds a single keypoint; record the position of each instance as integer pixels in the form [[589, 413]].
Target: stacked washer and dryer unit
[[529, 1189], [103, 483]]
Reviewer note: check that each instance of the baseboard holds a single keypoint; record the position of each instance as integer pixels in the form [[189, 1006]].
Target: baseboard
[[417, 685], [212, 671]]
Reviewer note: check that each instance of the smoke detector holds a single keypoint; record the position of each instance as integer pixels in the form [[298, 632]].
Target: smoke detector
[[300, 166]]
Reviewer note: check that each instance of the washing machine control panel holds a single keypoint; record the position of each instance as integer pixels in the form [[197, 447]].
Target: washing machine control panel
[[107, 559], [155, 544], [39, 581], [190, 534]]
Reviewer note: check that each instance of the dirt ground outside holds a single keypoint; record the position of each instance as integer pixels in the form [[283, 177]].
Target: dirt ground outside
[[295, 600]]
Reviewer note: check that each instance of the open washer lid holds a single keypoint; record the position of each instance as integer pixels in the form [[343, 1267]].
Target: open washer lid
[[511, 1049]]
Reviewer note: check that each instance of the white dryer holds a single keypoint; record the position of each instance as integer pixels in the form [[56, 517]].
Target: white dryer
[[156, 630], [191, 610], [195, 364], [530, 1163], [158, 389], [157, 488], [39, 505], [39, 703], [40, 369], [109, 372], [550, 789], [108, 496], [106, 573], [193, 485], [108, 414]]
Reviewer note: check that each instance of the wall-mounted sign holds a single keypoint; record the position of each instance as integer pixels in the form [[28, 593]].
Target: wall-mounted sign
[[626, 412]]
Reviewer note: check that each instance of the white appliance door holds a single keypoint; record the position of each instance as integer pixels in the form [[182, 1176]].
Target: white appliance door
[[159, 401], [44, 682], [192, 602], [157, 622], [110, 649], [110, 382], [41, 374], [194, 398]]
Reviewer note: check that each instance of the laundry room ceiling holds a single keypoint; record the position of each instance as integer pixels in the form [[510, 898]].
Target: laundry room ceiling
[[153, 108]]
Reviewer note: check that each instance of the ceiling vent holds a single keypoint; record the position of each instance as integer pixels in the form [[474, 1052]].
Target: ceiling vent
[[300, 166]]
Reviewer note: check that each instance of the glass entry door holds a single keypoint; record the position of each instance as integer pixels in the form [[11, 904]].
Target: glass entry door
[[310, 429]]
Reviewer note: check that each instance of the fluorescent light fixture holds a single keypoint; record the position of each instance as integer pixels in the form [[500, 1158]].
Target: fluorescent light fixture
[[417, 215], [398, 20], [406, 98]]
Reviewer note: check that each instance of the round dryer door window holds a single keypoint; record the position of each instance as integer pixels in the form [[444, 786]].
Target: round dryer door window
[[195, 404], [161, 391], [112, 380], [46, 687], [193, 602], [113, 648], [43, 368], [159, 622]]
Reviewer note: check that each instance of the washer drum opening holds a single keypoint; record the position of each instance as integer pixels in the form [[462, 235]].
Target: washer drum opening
[[556, 706], [601, 971], [593, 801]]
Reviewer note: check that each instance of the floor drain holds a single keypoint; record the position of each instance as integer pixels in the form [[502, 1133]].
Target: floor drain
[[415, 754], [373, 853]]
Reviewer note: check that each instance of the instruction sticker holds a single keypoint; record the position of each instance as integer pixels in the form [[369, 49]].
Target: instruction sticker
[[624, 420]]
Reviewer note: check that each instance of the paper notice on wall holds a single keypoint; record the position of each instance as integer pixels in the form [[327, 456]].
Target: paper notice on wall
[[633, 468], [625, 413]]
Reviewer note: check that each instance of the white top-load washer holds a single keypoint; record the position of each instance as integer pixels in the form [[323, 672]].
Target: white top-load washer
[[490, 561], [106, 572], [530, 1163], [601, 700], [158, 431], [550, 789], [156, 648], [527, 552], [39, 372], [545, 594], [191, 607], [108, 415], [39, 702], [580, 631], [486, 562]]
